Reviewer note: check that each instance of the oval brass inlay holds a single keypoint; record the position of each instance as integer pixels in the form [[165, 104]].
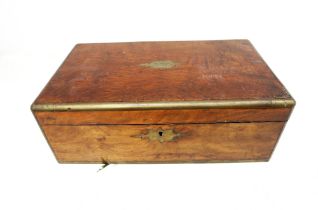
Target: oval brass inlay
[[160, 64]]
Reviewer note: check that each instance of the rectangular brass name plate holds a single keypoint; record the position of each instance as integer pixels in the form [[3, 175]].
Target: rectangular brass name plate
[[216, 104]]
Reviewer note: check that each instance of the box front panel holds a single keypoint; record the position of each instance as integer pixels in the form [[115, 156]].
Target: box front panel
[[219, 142]]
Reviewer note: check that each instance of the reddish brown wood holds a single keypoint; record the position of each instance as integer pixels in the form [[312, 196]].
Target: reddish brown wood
[[163, 116], [206, 70], [201, 70], [196, 143]]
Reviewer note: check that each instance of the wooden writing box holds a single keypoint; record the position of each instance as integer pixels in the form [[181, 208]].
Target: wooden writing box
[[163, 102]]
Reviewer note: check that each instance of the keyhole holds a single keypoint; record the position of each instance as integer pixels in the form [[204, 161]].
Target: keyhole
[[160, 133]]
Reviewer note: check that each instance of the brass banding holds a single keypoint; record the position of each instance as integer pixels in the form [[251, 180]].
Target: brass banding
[[213, 104]]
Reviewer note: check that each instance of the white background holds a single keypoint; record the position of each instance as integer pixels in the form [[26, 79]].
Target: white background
[[35, 37]]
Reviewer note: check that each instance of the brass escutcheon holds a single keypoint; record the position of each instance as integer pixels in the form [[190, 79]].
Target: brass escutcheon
[[160, 135]]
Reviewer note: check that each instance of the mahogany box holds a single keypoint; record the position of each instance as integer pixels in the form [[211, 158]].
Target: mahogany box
[[163, 102]]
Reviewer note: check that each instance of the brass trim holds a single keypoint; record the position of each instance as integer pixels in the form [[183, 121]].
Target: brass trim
[[166, 162], [160, 135], [160, 64], [215, 104]]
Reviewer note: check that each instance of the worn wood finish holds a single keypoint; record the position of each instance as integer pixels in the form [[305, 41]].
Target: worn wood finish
[[122, 72], [163, 116], [163, 73], [195, 143]]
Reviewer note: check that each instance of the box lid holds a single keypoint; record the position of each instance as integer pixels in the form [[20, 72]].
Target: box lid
[[163, 75]]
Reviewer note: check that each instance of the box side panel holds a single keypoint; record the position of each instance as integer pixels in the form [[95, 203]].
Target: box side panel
[[220, 142], [42, 130], [164, 116]]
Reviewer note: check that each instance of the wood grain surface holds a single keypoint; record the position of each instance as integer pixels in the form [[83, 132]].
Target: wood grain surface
[[195, 143], [163, 116], [229, 70], [201, 70]]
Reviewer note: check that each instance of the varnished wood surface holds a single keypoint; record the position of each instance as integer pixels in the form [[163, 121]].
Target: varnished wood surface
[[205, 70], [162, 116], [195, 143], [190, 71]]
